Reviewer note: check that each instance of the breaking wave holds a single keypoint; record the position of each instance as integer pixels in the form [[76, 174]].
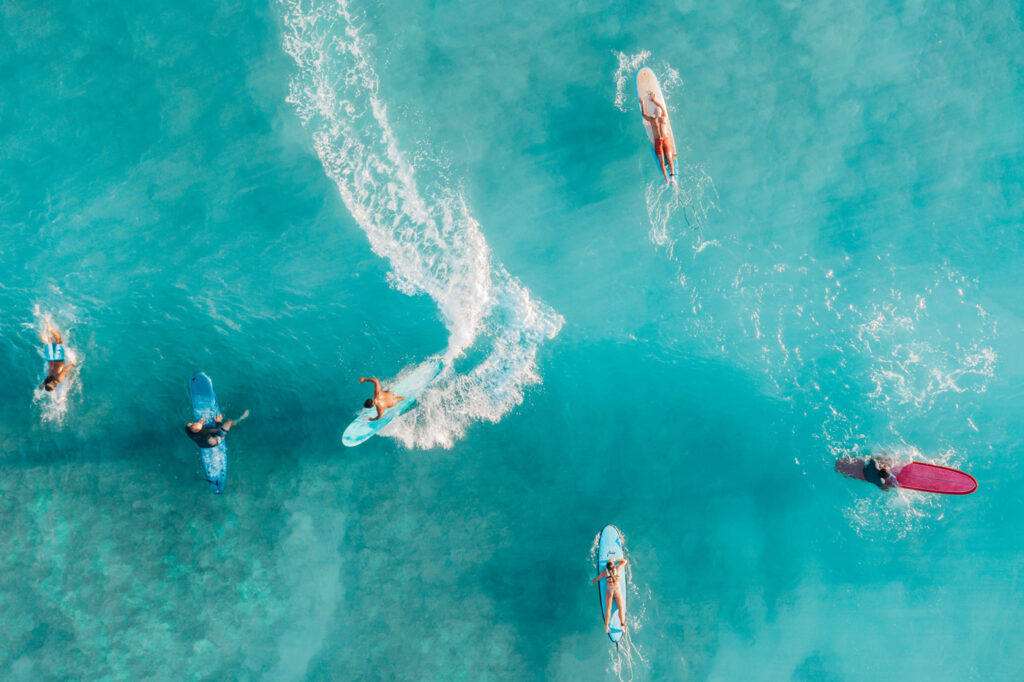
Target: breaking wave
[[424, 230]]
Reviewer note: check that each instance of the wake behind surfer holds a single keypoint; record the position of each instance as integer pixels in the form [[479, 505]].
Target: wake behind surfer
[[211, 436], [381, 399], [613, 571], [877, 471], [662, 143], [56, 369]]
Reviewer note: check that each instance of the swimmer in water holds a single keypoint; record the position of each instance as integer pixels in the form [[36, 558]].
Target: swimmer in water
[[662, 144], [56, 369], [381, 399], [877, 471], [613, 590]]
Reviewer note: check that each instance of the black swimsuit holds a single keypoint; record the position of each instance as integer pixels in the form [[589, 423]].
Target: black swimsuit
[[873, 475], [202, 437]]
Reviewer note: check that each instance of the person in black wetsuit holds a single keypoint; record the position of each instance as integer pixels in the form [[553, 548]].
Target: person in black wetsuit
[[879, 473], [209, 436]]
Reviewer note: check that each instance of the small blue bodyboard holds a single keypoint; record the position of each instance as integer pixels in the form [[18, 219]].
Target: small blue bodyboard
[[205, 407], [410, 387], [610, 547]]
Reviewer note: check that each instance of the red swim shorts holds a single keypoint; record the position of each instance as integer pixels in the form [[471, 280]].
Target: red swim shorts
[[661, 146]]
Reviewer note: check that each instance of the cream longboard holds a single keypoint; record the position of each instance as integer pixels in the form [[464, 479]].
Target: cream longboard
[[647, 85]]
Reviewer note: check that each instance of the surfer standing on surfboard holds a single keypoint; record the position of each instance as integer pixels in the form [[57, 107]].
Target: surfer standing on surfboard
[[662, 143], [613, 590], [381, 399], [56, 369]]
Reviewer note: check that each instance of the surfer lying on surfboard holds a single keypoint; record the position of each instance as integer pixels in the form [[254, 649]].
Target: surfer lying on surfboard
[[57, 370], [662, 143], [613, 590], [381, 399], [211, 436]]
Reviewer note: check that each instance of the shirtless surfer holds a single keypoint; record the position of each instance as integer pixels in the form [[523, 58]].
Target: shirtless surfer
[[613, 590], [56, 369], [663, 147], [381, 399]]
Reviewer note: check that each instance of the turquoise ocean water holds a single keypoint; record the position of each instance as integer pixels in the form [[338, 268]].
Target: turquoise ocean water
[[293, 194]]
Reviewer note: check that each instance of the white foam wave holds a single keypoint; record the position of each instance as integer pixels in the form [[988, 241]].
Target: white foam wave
[[911, 370], [426, 233], [693, 199], [628, 64]]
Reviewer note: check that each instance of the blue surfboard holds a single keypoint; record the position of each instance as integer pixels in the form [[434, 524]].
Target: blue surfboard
[[410, 387], [610, 547], [205, 407]]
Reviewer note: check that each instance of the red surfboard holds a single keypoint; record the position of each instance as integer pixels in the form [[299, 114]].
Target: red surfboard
[[928, 478]]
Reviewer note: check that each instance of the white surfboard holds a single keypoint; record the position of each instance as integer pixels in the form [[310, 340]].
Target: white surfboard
[[646, 86]]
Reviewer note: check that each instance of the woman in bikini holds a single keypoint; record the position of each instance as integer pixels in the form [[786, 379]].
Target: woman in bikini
[[613, 590]]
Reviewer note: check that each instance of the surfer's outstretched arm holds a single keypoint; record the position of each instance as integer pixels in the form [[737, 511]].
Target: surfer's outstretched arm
[[380, 413], [376, 387], [64, 372], [600, 575]]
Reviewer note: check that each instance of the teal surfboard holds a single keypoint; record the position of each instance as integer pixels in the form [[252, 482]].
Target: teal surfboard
[[610, 547], [410, 387], [205, 408]]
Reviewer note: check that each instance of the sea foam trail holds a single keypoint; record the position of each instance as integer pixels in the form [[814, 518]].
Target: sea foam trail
[[431, 241]]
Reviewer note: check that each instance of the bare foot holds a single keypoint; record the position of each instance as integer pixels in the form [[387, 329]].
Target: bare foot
[[607, 630]]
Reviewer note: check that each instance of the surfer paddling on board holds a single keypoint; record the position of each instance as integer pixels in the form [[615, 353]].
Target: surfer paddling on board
[[877, 471], [662, 144], [211, 436], [381, 399], [56, 369], [613, 590]]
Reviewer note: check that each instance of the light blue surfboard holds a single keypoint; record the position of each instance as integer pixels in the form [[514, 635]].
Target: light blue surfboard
[[205, 407], [610, 547], [411, 387]]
